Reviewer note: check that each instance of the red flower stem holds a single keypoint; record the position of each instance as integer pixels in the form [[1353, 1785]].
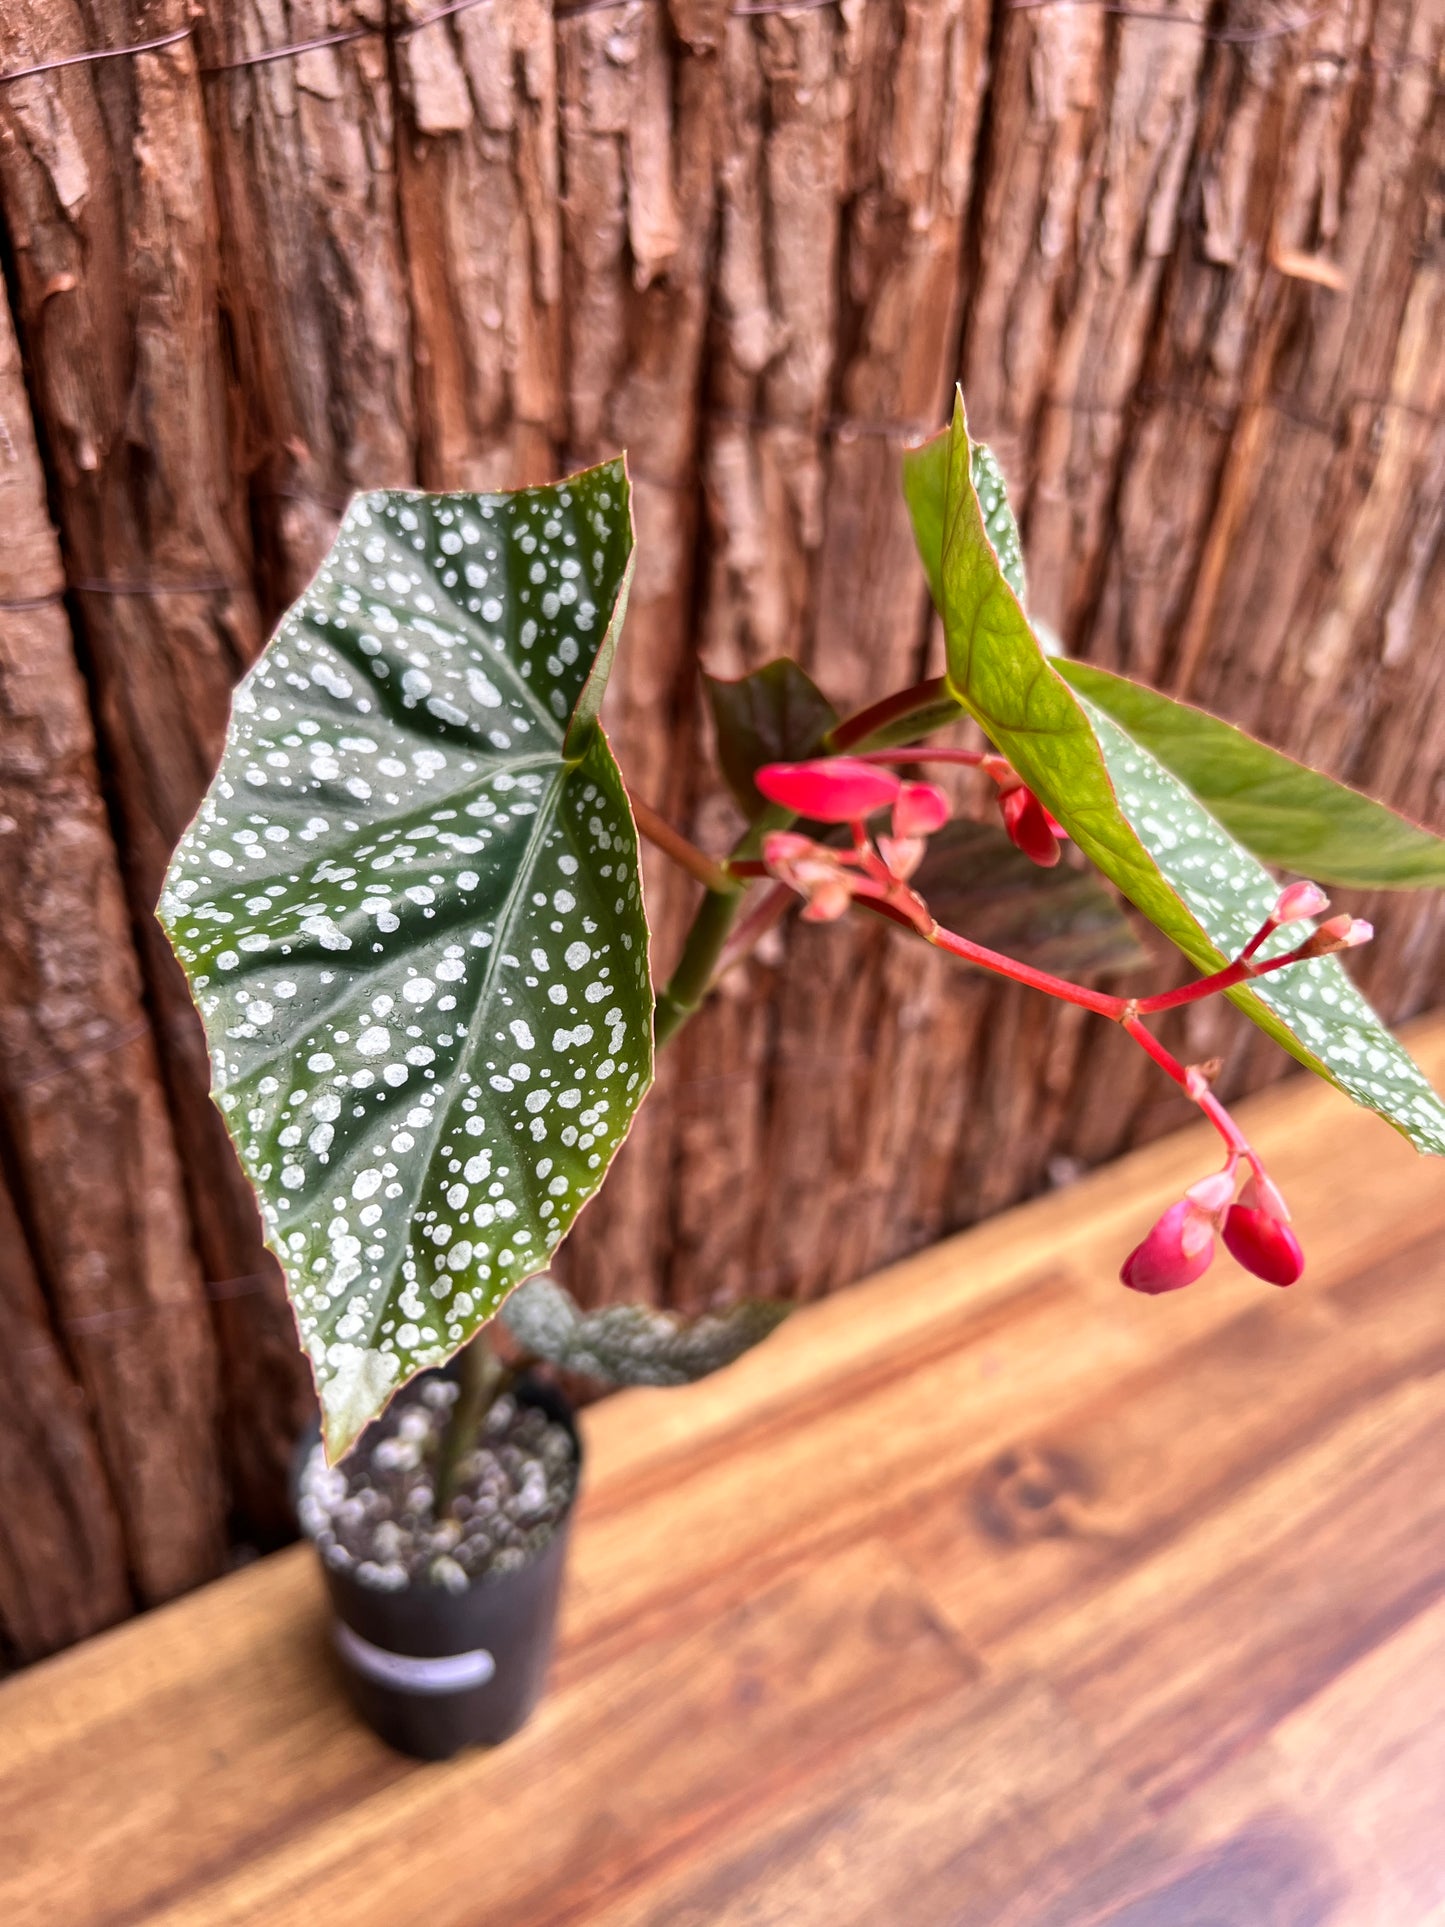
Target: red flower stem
[[1236, 973], [1021, 973], [656, 829], [892, 709], [1266, 929], [1241, 971], [1206, 1100], [1123, 1011], [997, 766]]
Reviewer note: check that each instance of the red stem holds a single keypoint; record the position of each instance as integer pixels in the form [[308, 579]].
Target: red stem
[[857, 729], [1266, 929], [1241, 971], [970, 758], [1121, 1010], [1206, 1100], [1021, 973]]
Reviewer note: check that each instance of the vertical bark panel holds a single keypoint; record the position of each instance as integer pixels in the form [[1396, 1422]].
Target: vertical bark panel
[[106, 186], [82, 1110], [62, 1561], [312, 282]]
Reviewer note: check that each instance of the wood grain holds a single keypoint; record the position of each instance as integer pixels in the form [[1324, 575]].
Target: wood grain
[[984, 1594]]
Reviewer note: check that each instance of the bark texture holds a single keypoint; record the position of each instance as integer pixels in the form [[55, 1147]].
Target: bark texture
[[1191, 269], [111, 1384]]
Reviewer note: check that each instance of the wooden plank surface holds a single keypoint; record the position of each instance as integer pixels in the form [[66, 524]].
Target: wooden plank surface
[[985, 1593]]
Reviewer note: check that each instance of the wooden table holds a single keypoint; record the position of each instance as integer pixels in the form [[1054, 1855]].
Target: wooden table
[[987, 1592]]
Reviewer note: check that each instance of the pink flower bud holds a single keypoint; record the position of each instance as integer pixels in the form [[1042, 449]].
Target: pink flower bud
[[1214, 1193], [828, 901], [1179, 1249], [782, 848], [902, 855], [919, 810], [1261, 1193], [1300, 900], [1337, 933], [1348, 932], [836, 789], [1029, 825], [1263, 1244]]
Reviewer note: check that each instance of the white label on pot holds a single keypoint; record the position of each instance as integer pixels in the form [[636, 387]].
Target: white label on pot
[[453, 1673]]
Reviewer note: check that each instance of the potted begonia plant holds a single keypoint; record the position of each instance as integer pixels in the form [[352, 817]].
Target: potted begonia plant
[[411, 913]]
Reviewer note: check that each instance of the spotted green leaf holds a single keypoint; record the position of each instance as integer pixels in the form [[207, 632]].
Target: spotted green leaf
[[409, 910], [1312, 1008], [635, 1344], [1283, 811], [1143, 828], [925, 488]]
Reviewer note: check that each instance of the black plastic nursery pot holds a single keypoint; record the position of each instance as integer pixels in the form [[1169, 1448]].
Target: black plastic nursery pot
[[432, 1671]]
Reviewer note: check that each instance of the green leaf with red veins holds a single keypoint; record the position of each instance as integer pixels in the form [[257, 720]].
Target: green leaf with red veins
[[410, 913], [777, 714], [1281, 810], [1148, 832]]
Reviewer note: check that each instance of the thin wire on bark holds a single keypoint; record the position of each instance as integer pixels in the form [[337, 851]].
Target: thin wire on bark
[[572, 9]]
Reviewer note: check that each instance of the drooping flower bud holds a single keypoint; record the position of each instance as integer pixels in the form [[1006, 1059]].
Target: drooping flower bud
[[834, 789], [1299, 900], [918, 810], [1179, 1249], [1263, 1244], [1029, 825]]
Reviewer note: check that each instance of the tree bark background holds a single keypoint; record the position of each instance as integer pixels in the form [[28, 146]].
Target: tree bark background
[[1190, 267]]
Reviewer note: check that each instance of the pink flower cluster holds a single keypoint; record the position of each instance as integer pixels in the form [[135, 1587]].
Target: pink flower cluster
[[1254, 1227], [1252, 1220], [843, 789]]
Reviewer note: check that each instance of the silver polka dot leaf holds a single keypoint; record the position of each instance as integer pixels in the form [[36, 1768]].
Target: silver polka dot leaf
[[410, 913], [925, 487], [1143, 827]]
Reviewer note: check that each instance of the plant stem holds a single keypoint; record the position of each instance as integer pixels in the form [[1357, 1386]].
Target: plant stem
[[971, 758], [926, 704], [482, 1378], [692, 977], [1098, 1001], [1241, 971], [1239, 1145], [659, 832]]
